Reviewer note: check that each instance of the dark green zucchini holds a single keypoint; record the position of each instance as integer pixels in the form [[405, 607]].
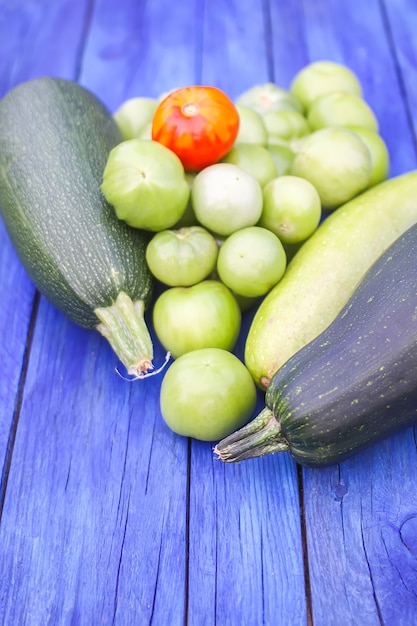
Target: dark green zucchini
[[55, 138], [353, 385]]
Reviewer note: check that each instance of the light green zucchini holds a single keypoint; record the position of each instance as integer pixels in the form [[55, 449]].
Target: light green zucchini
[[325, 272]]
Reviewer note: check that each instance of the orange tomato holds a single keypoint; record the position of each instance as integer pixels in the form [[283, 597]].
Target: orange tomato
[[199, 124]]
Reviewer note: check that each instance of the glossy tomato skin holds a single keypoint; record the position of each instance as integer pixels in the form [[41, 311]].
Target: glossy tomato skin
[[200, 124]]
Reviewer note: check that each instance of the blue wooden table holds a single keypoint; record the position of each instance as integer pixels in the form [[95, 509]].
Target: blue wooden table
[[107, 517]]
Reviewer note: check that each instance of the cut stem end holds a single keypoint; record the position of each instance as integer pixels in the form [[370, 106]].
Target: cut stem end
[[261, 436]]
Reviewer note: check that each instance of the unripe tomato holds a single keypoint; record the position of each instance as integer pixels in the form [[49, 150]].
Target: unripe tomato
[[200, 124]]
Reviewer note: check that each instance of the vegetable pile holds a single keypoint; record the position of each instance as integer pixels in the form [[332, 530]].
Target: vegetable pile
[[279, 201]]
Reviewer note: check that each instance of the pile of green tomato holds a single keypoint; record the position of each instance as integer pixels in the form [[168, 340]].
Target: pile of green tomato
[[222, 237]]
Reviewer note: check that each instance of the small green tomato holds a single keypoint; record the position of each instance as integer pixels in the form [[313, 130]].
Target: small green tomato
[[254, 159], [379, 154], [134, 115], [226, 198], [207, 394], [322, 77], [251, 261], [145, 182], [283, 158], [341, 108], [336, 162], [182, 257], [292, 209], [251, 128], [268, 97], [285, 126], [205, 315]]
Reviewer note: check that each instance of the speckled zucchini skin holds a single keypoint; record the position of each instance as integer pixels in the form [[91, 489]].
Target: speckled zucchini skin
[[55, 137], [357, 382]]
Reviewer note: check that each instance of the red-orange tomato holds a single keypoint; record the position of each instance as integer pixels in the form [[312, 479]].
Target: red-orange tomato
[[199, 124]]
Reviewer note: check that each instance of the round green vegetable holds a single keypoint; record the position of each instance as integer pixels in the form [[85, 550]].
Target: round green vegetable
[[205, 315], [207, 394], [336, 162], [255, 159], [251, 128], [285, 126], [341, 108], [292, 208], [145, 182], [251, 261], [378, 150], [183, 257], [268, 97], [322, 77], [283, 158], [134, 116], [226, 198]]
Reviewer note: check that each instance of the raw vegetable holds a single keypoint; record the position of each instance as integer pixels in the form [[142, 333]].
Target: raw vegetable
[[268, 97], [378, 150], [341, 108], [255, 159], [285, 127], [55, 137], [225, 198], [205, 315], [251, 127], [145, 182], [206, 394], [320, 78], [337, 162], [182, 257], [200, 124], [352, 385], [134, 116], [251, 261], [325, 271], [291, 208]]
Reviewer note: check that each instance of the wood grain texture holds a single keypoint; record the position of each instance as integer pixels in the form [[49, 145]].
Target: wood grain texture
[[28, 49], [108, 517], [354, 512]]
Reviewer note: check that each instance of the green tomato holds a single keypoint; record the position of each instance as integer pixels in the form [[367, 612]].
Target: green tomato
[[251, 261], [341, 108], [285, 126], [251, 128], [226, 198], [207, 394], [292, 209], [336, 162], [182, 257], [283, 158], [254, 159], [205, 315], [134, 115], [145, 182], [379, 154], [322, 77], [188, 218], [268, 97]]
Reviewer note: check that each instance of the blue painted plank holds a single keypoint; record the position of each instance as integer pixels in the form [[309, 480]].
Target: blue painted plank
[[359, 566], [28, 49], [356, 34], [94, 520], [109, 517], [244, 515], [141, 49], [93, 526]]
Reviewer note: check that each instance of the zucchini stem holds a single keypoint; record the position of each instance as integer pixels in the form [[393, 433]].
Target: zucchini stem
[[123, 325], [261, 436]]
